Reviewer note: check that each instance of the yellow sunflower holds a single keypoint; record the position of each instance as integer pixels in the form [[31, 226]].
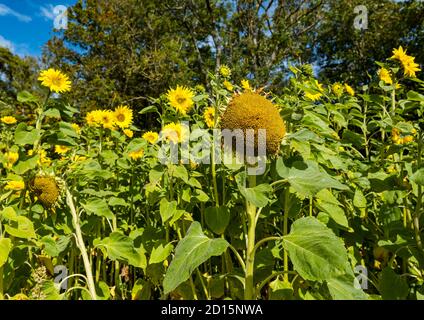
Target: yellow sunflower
[[129, 133], [385, 76], [313, 96], [151, 137], [135, 155], [410, 67], [123, 117], [209, 117], [337, 89], [55, 80], [225, 71], [61, 149], [246, 85], [92, 117], [228, 85], [12, 158], [15, 185], [181, 99], [44, 159], [349, 89], [8, 120], [106, 118], [400, 54], [175, 132], [76, 128]]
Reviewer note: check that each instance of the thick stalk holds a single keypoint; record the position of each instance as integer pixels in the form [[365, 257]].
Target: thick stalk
[[1, 283], [417, 213], [285, 232], [81, 245], [249, 292]]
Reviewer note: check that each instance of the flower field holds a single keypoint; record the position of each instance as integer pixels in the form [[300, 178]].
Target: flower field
[[234, 193]]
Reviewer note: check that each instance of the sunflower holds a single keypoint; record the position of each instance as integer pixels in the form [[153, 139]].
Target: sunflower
[[123, 117], [15, 185], [313, 96], [385, 76], [253, 111], [55, 80], [59, 149], [12, 158], [151, 137], [175, 132], [92, 117], [106, 118], [246, 85], [337, 89], [410, 68], [44, 159], [228, 85], [46, 190], [225, 71], [8, 120], [349, 89], [135, 155], [209, 116], [129, 133], [76, 128], [181, 99], [400, 54]]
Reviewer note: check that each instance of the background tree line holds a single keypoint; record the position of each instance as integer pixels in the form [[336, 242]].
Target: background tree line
[[125, 51]]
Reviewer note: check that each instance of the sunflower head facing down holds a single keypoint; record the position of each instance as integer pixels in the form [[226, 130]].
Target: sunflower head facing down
[[123, 117], [46, 190], [181, 99], [250, 110], [55, 80]]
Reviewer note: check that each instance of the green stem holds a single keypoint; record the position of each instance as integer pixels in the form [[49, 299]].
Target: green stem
[[238, 256], [417, 214], [213, 172], [285, 232], [81, 245], [249, 292], [1, 283]]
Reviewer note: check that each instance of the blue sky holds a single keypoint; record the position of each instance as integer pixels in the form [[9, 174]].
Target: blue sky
[[26, 25]]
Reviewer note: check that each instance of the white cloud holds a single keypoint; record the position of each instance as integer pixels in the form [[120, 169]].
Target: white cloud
[[6, 44], [47, 12], [6, 11]]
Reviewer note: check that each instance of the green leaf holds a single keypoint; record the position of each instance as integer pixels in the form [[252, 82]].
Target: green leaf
[[118, 247], [167, 209], [194, 249], [148, 110], [55, 247], [52, 113], [316, 253], [26, 165], [21, 227], [217, 219], [26, 97], [99, 207], [5, 247], [160, 253], [307, 179], [418, 177], [335, 212], [392, 286], [359, 199], [343, 288], [24, 137], [257, 195]]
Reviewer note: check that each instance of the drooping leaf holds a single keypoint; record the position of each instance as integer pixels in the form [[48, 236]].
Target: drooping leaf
[[194, 249], [217, 218], [315, 251], [5, 247]]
